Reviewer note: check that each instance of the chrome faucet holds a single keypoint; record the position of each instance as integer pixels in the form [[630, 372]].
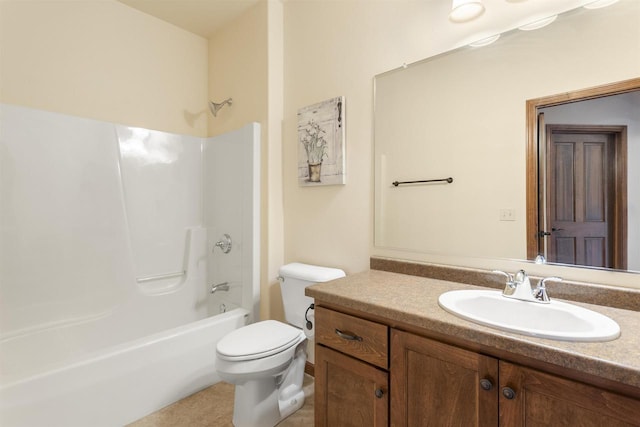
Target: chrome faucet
[[224, 286], [519, 287]]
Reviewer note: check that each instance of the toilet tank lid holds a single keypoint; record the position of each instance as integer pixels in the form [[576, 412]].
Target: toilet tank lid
[[310, 273]]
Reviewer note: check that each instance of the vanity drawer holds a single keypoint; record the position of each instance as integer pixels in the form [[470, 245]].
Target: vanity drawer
[[362, 339]]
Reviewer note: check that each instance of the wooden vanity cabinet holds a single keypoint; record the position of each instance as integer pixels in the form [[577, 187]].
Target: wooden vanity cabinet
[[436, 384], [351, 377], [371, 375]]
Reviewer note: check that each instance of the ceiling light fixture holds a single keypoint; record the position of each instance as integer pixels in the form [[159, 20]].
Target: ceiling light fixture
[[485, 42], [538, 24], [599, 3], [465, 10]]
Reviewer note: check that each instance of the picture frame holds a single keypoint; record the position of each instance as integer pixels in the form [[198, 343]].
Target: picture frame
[[321, 143]]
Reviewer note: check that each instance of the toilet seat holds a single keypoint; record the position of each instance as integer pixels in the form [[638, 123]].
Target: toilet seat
[[258, 340]]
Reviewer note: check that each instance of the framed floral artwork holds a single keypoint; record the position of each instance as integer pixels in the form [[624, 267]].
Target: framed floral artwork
[[321, 137]]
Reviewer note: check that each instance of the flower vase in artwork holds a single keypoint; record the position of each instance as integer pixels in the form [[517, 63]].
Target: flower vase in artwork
[[314, 172], [316, 148]]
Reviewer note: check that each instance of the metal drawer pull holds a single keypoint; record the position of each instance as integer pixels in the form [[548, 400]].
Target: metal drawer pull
[[348, 335], [379, 393]]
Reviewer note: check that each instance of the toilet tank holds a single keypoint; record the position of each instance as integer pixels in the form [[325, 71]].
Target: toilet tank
[[294, 278]]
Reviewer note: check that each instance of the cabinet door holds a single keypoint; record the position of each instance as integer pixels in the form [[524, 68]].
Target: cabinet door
[[531, 398], [434, 384], [349, 392]]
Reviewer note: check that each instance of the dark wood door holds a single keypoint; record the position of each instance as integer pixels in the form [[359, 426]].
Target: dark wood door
[[434, 384], [349, 392], [540, 399], [582, 198]]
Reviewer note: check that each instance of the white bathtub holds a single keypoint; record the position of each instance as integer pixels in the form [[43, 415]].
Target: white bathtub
[[107, 260], [122, 383]]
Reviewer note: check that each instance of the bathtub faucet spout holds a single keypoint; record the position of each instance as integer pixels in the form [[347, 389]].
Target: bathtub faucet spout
[[224, 286]]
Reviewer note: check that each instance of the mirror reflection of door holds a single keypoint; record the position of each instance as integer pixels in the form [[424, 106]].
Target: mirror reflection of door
[[586, 195], [597, 184]]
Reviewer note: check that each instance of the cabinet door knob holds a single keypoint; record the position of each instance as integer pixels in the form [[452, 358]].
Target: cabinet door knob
[[379, 393], [486, 384], [508, 393]]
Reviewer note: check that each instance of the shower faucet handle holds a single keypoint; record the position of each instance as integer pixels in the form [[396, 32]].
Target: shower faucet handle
[[224, 244]]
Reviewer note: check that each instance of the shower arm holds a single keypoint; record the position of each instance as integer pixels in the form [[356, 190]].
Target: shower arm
[[215, 107]]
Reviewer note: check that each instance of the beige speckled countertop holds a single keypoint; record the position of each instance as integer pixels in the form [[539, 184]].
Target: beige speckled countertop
[[413, 301]]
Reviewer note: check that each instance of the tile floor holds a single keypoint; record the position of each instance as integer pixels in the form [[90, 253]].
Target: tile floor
[[213, 407]]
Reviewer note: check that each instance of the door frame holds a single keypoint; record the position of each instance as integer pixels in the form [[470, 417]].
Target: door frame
[[533, 161], [618, 215]]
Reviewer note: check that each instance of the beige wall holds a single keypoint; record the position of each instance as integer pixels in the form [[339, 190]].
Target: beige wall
[[238, 70], [275, 210], [332, 49], [245, 63], [328, 53], [336, 48], [103, 60]]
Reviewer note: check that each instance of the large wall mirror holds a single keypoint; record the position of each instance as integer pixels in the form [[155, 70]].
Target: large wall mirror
[[464, 115]]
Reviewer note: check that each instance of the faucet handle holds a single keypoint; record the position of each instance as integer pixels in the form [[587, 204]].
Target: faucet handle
[[520, 277], [510, 286], [540, 292], [224, 244], [509, 276], [549, 279]]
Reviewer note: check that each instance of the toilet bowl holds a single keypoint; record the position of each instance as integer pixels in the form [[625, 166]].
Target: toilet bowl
[[266, 360]]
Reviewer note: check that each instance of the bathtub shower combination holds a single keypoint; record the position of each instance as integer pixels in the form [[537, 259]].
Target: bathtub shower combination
[[112, 239]]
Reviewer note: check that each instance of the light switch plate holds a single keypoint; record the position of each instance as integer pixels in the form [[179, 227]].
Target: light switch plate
[[507, 214]]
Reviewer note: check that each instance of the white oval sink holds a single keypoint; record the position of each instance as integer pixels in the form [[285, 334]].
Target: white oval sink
[[556, 320]]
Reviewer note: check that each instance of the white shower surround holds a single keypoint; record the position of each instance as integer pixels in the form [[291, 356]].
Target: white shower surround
[[81, 218]]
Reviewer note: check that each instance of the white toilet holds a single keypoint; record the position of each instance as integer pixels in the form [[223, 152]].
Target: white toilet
[[265, 360]]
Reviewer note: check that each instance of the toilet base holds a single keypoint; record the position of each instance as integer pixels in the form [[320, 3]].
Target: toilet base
[[264, 402], [257, 405]]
